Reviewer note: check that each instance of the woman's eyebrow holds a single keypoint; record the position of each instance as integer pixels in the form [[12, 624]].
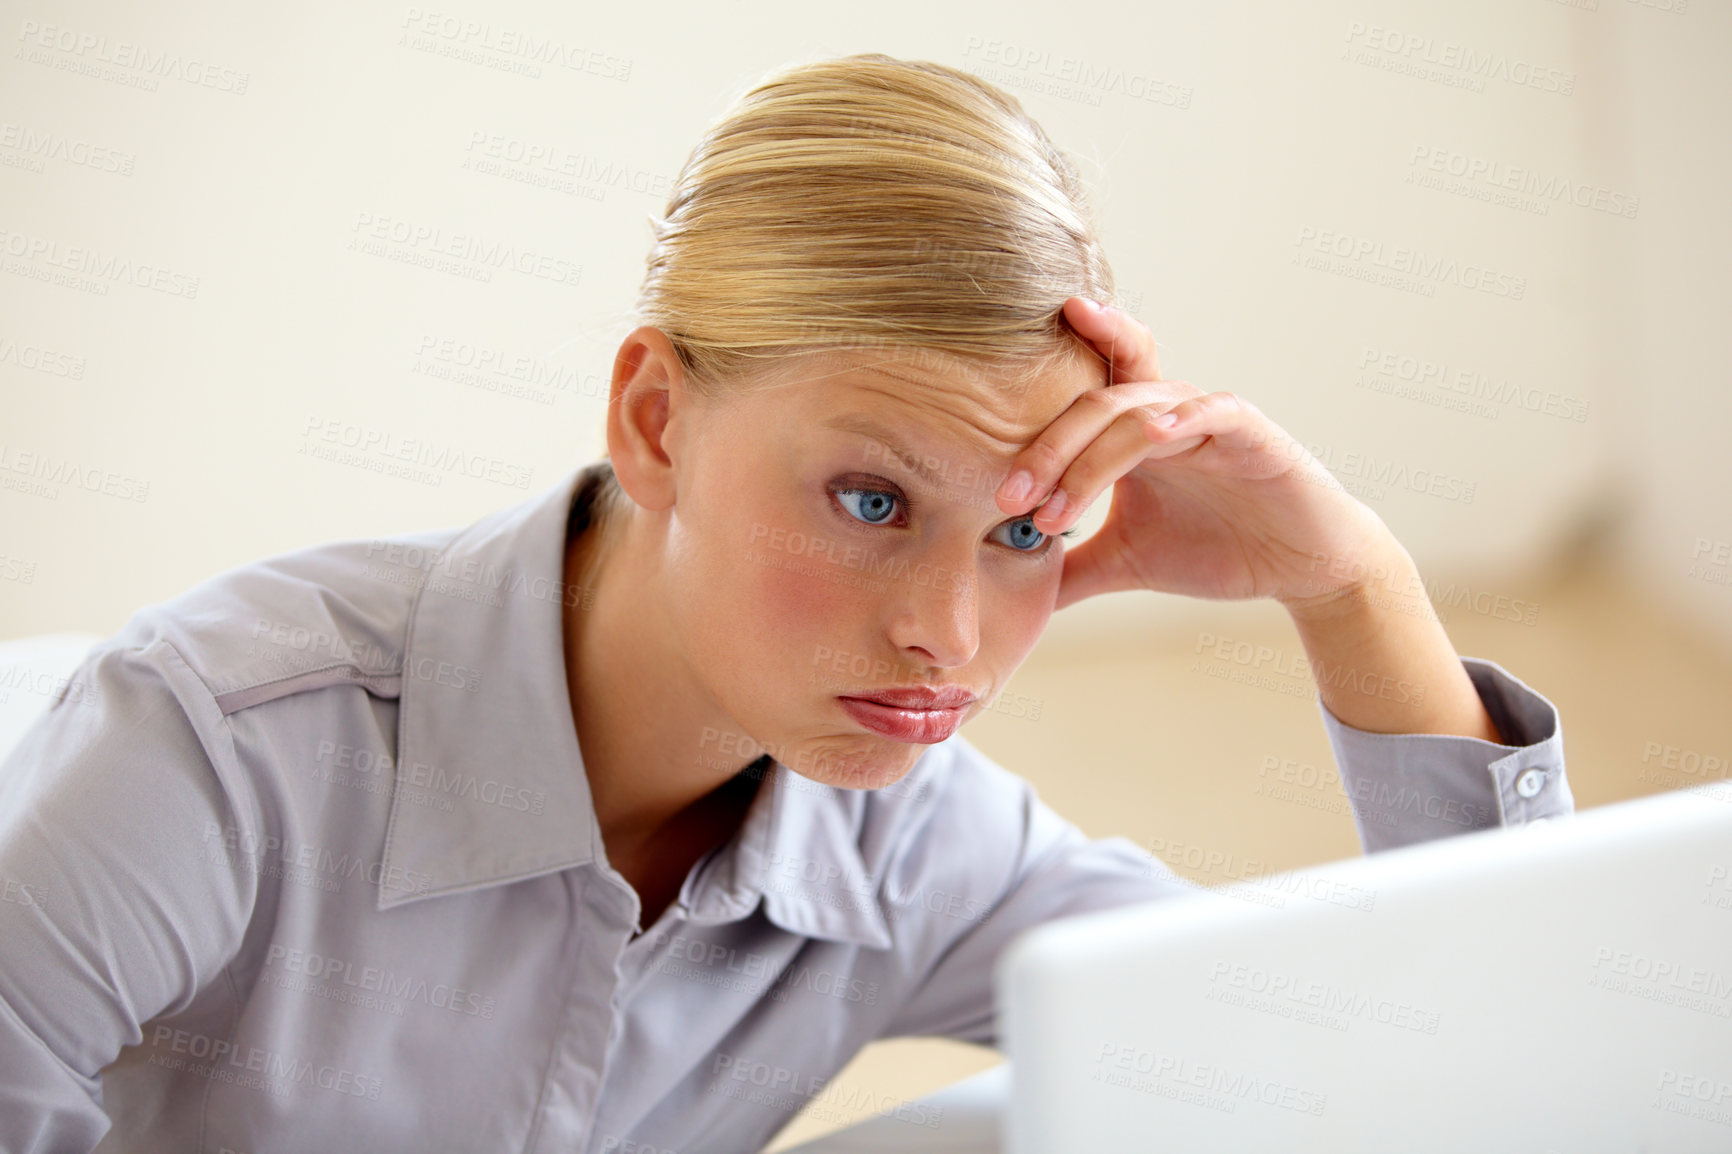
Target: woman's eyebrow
[[867, 427]]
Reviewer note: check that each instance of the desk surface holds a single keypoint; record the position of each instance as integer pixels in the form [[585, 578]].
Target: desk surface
[[963, 1120]]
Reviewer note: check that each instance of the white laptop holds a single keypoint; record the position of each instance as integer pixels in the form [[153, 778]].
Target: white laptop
[[1564, 986]]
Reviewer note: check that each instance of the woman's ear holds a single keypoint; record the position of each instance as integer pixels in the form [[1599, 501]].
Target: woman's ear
[[647, 394]]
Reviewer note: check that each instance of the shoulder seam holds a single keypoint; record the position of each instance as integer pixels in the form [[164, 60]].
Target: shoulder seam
[[380, 684]]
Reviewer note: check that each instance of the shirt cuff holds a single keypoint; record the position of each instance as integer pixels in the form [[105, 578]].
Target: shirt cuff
[[1414, 787]]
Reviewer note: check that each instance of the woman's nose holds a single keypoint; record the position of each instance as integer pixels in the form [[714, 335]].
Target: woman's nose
[[937, 614]]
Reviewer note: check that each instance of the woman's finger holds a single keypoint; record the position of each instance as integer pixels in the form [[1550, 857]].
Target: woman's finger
[[1252, 444], [1125, 342], [1125, 444], [1136, 436], [1038, 467]]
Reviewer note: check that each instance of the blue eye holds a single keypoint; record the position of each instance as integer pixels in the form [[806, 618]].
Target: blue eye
[[875, 504], [878, 507], [1024, 537]]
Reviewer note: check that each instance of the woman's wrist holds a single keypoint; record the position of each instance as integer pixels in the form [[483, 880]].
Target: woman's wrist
[[1381, 659]]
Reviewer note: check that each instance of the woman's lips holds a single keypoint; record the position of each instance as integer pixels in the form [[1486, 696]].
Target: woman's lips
[[924, 718]]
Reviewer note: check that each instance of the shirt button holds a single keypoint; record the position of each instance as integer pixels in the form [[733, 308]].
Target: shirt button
[[1530, 782]]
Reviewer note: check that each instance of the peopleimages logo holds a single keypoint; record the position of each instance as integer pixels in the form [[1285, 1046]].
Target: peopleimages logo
[[473, 40], [1073, 77], [381, 980], [1201, 1084], [36, 358], [381, 450], [35, 146], [42, 471], [422, 243], [254, 1067], [1365, 259], [768, 542], [819, 1096], [1498, 176], [1459, 61], [105, 267], [93, 49], [1336, 1001], [248, 850], [1437, 376]]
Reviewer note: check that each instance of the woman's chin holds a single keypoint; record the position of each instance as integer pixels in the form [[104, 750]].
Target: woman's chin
[[871, 763]]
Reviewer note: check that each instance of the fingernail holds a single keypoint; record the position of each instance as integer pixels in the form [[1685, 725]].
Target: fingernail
[[1054, 506], [1018, 486]]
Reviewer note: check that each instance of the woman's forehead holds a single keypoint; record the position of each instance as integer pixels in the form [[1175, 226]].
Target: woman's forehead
[[948, 397]]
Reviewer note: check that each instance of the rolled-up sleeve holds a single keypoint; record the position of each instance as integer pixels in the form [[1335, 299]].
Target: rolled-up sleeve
[[106, 921], [1404, 788], [1414, 787]]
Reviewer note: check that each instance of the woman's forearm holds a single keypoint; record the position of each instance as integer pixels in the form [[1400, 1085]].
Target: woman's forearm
[[1381, 658]]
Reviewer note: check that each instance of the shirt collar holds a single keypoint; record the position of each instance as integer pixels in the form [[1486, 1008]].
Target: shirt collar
[[798, 850], [490, 786]]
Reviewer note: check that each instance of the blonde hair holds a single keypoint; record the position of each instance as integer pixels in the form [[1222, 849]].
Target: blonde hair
[[862, 203]]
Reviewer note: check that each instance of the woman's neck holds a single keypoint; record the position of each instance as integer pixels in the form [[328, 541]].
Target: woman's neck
[[639, 712]]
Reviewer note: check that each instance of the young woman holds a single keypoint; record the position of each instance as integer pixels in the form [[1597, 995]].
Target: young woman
[[621, 819]]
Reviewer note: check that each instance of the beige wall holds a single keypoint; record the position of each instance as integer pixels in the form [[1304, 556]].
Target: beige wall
[[1259, 125], [1665, 120], [1260, 131]]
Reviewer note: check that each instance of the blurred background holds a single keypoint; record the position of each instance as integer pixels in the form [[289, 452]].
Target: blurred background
[[1473, 255]]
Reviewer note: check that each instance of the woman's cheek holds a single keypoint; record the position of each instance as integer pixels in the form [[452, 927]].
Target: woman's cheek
[[806, 610], [1019, 615]]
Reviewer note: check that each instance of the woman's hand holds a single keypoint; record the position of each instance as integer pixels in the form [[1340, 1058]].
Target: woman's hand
[[1220, 502], [1210, 497]]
